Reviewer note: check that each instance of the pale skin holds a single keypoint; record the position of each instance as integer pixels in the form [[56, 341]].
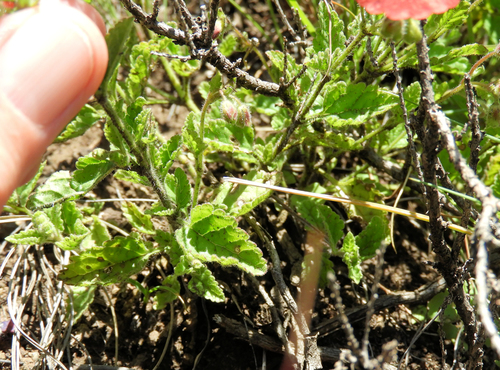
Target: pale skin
[[53, 57]]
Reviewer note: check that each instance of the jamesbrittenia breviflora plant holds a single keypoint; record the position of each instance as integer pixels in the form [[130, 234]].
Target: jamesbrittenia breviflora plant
[[338, 118]]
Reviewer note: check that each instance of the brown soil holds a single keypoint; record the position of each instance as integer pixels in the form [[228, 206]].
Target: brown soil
[[196, 339]]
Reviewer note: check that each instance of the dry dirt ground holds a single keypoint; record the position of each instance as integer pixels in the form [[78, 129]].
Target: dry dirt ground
[[206, 335], [196, 336]]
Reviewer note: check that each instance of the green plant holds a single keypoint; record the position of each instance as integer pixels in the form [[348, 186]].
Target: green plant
[[328, 102]]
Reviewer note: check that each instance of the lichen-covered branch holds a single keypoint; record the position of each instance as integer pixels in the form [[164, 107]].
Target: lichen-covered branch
[[205, 50]]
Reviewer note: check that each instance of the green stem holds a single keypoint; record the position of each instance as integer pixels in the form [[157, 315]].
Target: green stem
[[201, 156], [334, 66], [166, 95], [176, 83], [140, 153]]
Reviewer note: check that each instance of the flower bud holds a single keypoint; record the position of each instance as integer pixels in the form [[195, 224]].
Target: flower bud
[[244, 116], [412, 32], [392, 29], [228, 110], [217, 29]]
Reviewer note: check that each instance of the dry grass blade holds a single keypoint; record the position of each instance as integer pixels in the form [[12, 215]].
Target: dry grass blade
[[354, 202]]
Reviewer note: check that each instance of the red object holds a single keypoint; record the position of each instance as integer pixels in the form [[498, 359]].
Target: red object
[[397, 10], [8, 4]]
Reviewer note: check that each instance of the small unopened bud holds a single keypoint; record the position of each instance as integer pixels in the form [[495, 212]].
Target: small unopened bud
[[392, 29], [244, 116], [229, 111], [217, 29], [412, 33]]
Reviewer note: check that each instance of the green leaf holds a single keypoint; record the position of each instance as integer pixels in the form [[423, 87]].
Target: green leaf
[[185, 69], [278, 60], [215, 83], [213, 236], [90, 171], [119, 259], [99, 232], [72, 218], [245, 198], [465, 51], [356, 103], [19, 197], [169, 244], [190, 134], [85, 119], [228, 45], [27, 237], [168, 153], [333, 140], [141, 63], [268, 105], [222, 135], [116, 40], [496, 186], [131, 176], [48, 225], [328, 20], [351, 258], [137, 218], [136, 117], [183, 189], [55, 190], [158, 209], [117, 143], [204, 284], [71, 242], [321, 217], [319, 61], [412, 95], [168, 292], [371, 237], [82, 298], [178, 188], [280, 120], [437, 24]]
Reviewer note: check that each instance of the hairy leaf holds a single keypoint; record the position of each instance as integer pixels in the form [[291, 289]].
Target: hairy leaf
[[330, 30], [138, 219], [167, 292], [56, 189], [190, 134], [204, 284], [131, 176], [356, 103], [321, 217], [90, 171], [116, 261], [19, 197], [371, 237], [243, 199], [82, 297], [213, 236], [352, 258], [85, 119], [116, 40]]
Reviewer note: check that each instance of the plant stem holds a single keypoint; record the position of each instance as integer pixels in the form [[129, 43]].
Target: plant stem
[[176, 83], [335, 65], [146, 163], [201, 156]]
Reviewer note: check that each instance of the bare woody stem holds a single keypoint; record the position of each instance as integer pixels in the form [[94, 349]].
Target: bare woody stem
[[208, 52]]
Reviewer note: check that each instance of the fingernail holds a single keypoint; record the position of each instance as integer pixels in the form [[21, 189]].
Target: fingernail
[[43, 67]]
